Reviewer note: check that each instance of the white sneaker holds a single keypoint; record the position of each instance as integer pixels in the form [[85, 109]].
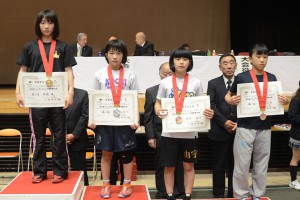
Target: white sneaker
[[295, 184]]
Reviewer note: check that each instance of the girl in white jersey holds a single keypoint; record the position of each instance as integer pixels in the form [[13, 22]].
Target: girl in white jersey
[[112, 139], [180, 85]]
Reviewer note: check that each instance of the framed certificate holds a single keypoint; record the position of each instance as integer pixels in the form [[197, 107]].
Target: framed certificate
[[36, 93], [103, 112], [191, 119], [249, 106]]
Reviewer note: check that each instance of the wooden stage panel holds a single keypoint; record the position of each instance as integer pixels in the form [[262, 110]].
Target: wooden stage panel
[[8, 102]]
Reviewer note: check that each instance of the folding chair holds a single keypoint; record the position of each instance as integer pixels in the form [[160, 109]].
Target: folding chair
[[92, 155], [7, 144], [30, 156]]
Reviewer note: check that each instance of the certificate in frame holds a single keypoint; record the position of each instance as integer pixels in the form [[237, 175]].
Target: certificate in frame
[[103, 112], [36, 93], [191, 119], [249, 105]]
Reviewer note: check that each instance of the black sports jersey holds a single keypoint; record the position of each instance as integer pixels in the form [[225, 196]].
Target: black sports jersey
[[31, 57]]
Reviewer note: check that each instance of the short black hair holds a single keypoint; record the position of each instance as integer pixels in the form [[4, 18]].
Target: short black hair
[[226, 55], [259, 48], [50, 16], [181, 53], [118, 45]]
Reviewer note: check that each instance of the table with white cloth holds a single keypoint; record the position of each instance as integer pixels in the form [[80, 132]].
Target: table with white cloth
[[146, 68]]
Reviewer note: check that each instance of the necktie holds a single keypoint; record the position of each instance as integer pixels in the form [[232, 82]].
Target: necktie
[[229, 84], [78, 52]]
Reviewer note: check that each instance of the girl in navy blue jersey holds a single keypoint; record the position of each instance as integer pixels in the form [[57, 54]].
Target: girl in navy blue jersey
[[294, 116]]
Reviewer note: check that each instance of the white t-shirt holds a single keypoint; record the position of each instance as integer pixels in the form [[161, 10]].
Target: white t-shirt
[[165, 90], [101, 80]]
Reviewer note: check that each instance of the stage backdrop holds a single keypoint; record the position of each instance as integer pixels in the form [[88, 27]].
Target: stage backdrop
[[167, 23], [286, 69]]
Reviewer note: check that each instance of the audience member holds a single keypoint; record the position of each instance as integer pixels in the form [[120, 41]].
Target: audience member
[[186, 46], [222, 126], [116, 169], [103, 49], [143, 47], [153, 128], [33, 58], [77, 120], [253, 134], [294, 116], [81, 48]]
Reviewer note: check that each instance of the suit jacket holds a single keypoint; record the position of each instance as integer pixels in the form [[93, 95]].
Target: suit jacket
[[153, 124], [146, 50], [77, 120], [222, 111], [87, 50]]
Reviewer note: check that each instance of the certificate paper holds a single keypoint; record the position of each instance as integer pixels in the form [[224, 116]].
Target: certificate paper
[[249, 106], [35, 92], [103, 112], [192, 115]]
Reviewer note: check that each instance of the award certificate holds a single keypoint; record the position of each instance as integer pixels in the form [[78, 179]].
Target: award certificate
[[191, 118], [103, 112], [249, 105], [36, 92]]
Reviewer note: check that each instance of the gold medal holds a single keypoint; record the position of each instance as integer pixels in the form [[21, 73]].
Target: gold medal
[[178, 120], [263, 116], [49, 82]]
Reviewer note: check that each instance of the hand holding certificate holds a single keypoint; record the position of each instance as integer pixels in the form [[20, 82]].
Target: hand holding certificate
[[191, 117], [37, 91], [249, 104]]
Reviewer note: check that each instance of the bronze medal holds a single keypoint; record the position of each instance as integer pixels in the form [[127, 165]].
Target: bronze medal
[[263, 116], [49, 82], [178, 120]]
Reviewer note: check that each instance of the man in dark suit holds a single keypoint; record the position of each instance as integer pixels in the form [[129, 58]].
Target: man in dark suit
[[143, 47], [222, 126], [77, 120], [81, 48], [153, 128]]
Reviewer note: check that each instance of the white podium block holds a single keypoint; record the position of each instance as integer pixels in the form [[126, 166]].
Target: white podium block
[[21, 187]]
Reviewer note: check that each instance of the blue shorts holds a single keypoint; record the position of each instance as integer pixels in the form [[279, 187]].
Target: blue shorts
[[115, 138]]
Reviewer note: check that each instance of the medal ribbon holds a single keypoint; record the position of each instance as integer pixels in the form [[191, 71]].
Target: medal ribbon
[[116, 94], [179, 102], [262, 100], [48, 66]]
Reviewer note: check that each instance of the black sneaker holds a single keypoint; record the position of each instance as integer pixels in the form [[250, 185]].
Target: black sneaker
[[186, 197], [171, 197]]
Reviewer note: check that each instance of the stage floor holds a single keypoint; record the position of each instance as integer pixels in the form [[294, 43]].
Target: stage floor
[[277, 185]]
